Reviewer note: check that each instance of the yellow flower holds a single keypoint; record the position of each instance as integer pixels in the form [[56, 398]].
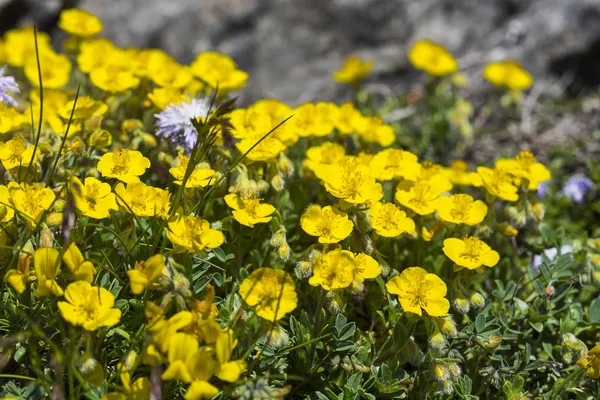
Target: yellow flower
[[374, 130], [391, 164], [339, 268], [6, 203], [271, 292], [11, 119], [17, 153], [193, 233], [278, 111], [419, 290], [81, 269], [47, 267], [351, 181], [389, 221], [125, 165], [113, 78], [94, 198], [249, 211], [591, 363], [348, 118], [187, 361], [31, 201], [525, 166], [199, 390], [422, 198], [85, 108], [470, 253], [143, 200], [90, 307], [353, 70], [55, 69], [230, 371], [249, 123], [431, 173], [146, 273], [461, 209], [458, 173], [319, 157], [93, 54], [432, 58], [508, 74], [313, 119], [498, 183], [22, 46], [200, 177], [79, 22], [328, 223], [162, 97], [19, 277], [219, 71], [266, 150], [170, 74]]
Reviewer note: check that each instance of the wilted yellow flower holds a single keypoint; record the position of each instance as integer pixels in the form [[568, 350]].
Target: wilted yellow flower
[[193, 233], [389, 221], [422, 198], [271, 292], [199, 177], [54, 68], [30, 201], [90, 307], [391, 164], [432, 58], [94, 199], [338, 268], [47, 262], [470, 252], [219, 71], [249, 211], [328, 223], [353, 70], [352, 182], [318, 157], [498, 183], [143, 200], [508, 74], [525, 166], [591, 363], [79, 22], [80, 268], [461, 209], [146, 273], [125, 165], [419, 290], [17, 153]]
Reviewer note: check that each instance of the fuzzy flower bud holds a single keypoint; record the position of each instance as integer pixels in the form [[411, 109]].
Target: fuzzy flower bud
[[303, 269], [278, 183], [46, 237], [476, 300], [461, 304], [277, 337], [447, 326]]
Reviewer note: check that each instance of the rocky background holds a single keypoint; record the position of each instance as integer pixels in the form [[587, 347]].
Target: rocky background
[[291, 47]]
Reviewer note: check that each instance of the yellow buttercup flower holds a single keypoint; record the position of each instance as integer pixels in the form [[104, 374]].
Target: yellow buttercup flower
[[230, 371], [432, 58], [266, 150], [419, 290], [351, 181], [315, 119], [170, 74], [353, 70], [498, 183], [163, 97], [200, 176], [249, 123], [17, 153], [349, 119], [79, 22], [431, 173], [193, 233], [22, 46], [375, 130], [470, 252], [114, 78], [277, 111], [81, 270], [391, 164], [219, 71], [11, 119], [525, 166], [591, 363], [55, 69], [338, 269], [31, 201], [270, 292], [85, 108], [458, 173], [508, 74], [90, 307], [47, 267], [461, 209], [329, 224], [389, 221], [422, 198], [249, 211], [143, 200], [146, 273], [319, 157], [125, 165], [94, 199]]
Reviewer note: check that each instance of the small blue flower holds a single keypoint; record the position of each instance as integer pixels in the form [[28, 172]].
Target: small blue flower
[[577, 187], [7, 84], [543, 189], [175, 122]]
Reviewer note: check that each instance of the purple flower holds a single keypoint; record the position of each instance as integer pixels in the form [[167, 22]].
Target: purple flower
[[175, 122], [543, 189], [577, 187], [7, 84]]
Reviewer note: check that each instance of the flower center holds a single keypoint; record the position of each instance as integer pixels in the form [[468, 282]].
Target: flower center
[[471, 249], [121, 161], [461, 206]]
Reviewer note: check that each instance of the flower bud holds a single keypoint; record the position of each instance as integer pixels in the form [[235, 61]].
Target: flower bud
[[181, 284], [285, 165], [165, 158], [46, 237], [151, 356], [148, 139], [100, 139], [284, 251], [130, 125], [93, 123], [441, 373], [263, 186], [493, 342], [437, 340], [447, 326], [278, 183], [476, 300], [461, 304], [130, 360], [303, 269], [277, 337], [59, 205], [91, 370]]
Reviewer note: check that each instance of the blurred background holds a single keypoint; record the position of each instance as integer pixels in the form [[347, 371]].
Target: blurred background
[[291, 47]]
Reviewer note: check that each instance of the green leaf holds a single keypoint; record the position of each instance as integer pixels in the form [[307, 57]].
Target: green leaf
[[595, 311], [480, 323], [353, 382], [538, 326]]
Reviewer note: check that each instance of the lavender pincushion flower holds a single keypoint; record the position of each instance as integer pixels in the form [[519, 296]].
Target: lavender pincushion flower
[[577, 187], [174, 122], [7, 84]]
